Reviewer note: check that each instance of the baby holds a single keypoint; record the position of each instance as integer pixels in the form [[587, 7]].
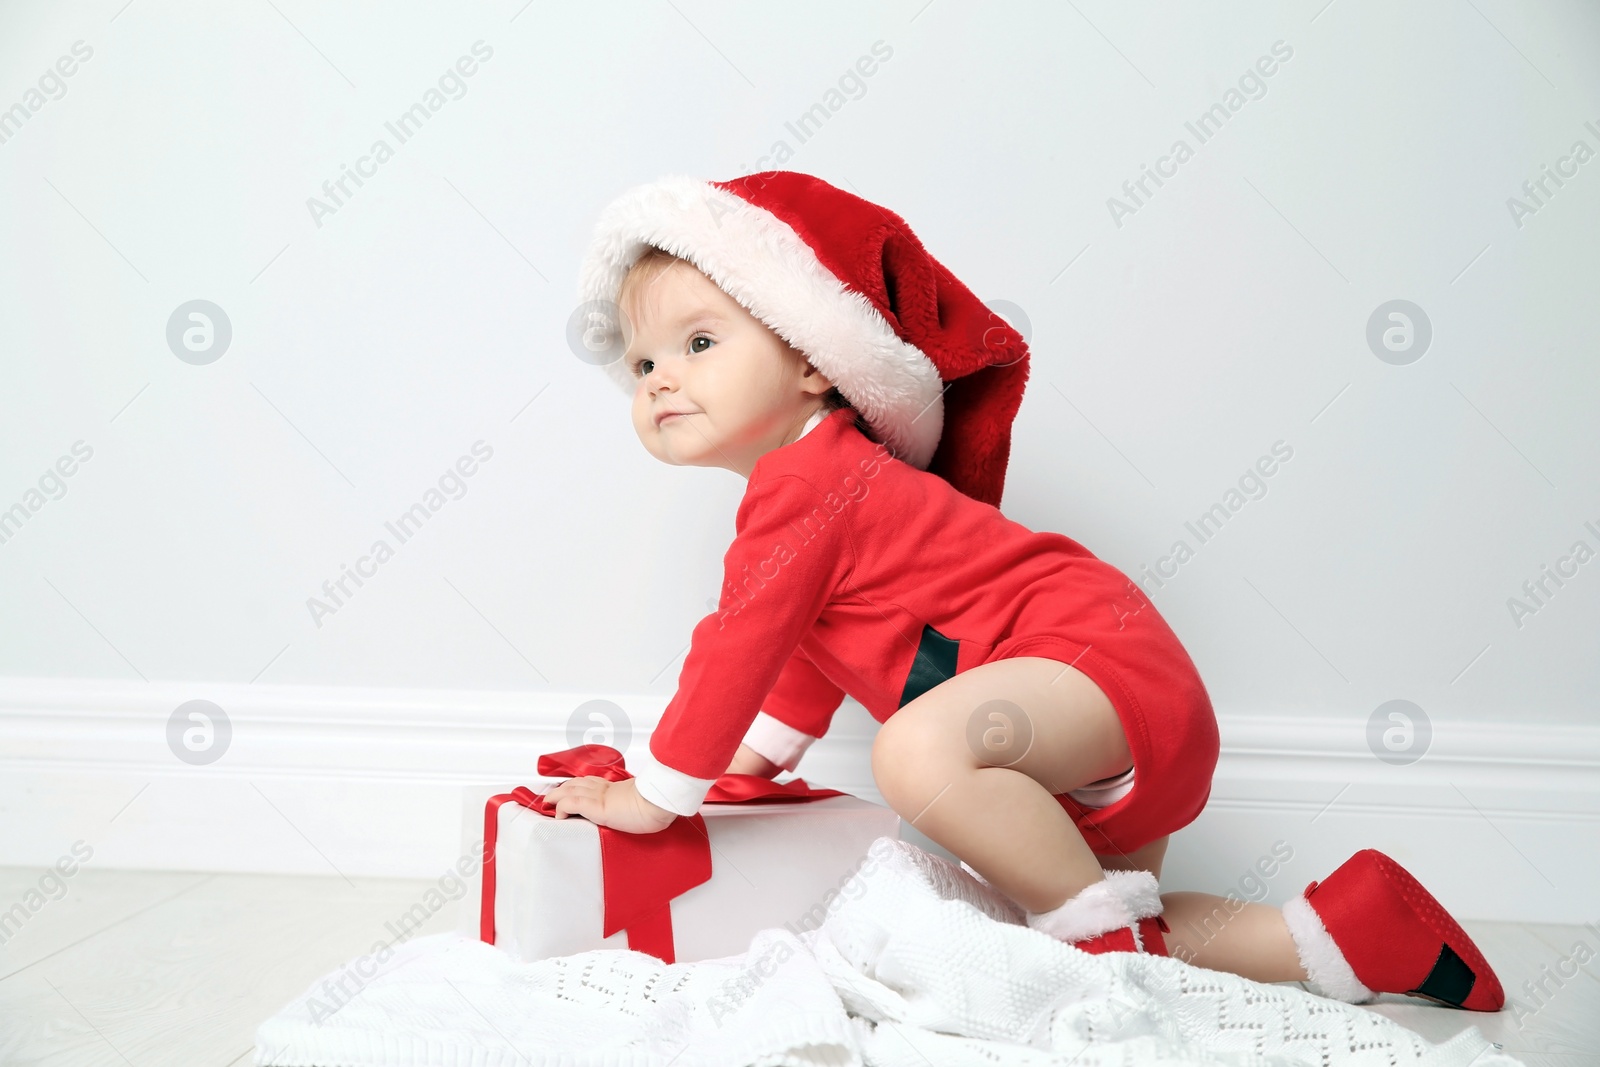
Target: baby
[[1038, 717]]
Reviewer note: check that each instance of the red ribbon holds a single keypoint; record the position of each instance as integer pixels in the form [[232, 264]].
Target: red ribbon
[[640, 873]]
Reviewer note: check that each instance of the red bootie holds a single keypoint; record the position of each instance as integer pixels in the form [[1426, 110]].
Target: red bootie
[[1370, 928], [1121, 913]]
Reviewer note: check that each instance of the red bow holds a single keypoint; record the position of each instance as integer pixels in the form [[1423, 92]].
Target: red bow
[[640, 873]]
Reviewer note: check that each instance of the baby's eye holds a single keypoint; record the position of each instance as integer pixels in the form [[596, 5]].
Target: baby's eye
[[698, 337], [638, 367]]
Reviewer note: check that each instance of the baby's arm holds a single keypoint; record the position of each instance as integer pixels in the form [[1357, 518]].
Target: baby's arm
[[737, 655], [795, 713]]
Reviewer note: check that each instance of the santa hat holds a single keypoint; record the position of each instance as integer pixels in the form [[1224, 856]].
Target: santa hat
[[937, 376]]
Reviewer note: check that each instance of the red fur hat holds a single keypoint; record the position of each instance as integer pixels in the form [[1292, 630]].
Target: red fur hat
[[935, 374]]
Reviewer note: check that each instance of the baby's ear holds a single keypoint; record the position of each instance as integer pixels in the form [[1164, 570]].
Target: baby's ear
[[815, 380]]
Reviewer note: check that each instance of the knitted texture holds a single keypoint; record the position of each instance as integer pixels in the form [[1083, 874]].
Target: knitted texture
[[916, 962]]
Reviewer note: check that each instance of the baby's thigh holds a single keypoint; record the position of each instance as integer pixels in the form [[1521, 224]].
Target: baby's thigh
[[1032, 714]]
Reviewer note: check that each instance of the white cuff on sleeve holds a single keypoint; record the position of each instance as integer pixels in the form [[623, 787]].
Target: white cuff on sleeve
[[679, 793], [777, 741]]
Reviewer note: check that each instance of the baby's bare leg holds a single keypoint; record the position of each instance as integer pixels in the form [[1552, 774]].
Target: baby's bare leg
[[1050, 729], [1231, 935], [972, 763], [1222, 934]]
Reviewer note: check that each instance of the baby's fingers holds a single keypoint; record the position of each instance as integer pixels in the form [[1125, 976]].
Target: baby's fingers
[[576, 797]]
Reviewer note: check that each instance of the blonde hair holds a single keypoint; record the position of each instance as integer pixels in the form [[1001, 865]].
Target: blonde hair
[[650, 265], [653, 262]]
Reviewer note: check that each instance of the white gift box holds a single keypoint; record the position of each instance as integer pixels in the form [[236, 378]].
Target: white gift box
[[773, 864]]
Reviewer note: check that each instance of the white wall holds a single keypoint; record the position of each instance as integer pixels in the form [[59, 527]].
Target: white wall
[[1172, 347]]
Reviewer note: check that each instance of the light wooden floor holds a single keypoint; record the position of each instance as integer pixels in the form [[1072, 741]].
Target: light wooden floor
[[157, 968]]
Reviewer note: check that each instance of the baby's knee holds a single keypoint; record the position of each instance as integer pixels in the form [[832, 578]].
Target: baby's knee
[[905, 755]]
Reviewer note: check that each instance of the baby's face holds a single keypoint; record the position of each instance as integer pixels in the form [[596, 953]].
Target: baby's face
[[692, 348]]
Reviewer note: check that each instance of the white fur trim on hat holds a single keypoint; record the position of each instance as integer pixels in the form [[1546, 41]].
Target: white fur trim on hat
[[1329, 973], [764, 265], [1121, 899]]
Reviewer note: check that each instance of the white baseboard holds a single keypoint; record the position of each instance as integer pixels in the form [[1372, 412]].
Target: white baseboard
[[1501, 820]]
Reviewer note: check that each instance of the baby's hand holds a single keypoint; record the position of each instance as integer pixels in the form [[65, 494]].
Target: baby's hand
[[606, 803]]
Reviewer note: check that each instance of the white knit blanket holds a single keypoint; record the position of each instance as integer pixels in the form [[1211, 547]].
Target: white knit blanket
[[917, 964]]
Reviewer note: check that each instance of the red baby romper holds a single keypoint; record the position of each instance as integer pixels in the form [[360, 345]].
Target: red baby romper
[[854, 572]]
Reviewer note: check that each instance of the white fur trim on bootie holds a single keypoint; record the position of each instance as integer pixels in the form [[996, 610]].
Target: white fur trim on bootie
[[1329, 972], [1121, 899]]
